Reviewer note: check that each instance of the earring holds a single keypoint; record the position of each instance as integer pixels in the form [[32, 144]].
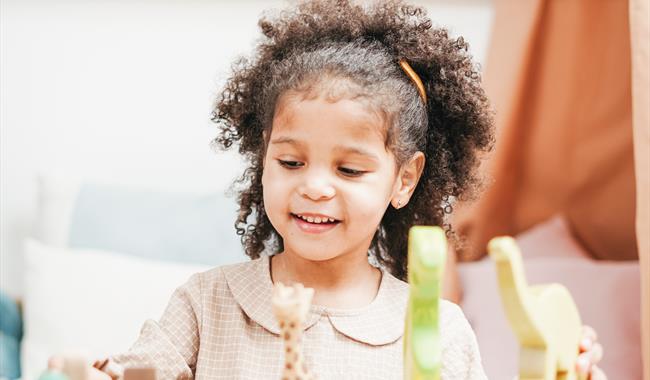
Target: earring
[[399, 204]]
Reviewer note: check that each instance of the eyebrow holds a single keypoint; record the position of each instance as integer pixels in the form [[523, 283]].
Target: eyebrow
[[342, 148], [358, 151], [285, 140]]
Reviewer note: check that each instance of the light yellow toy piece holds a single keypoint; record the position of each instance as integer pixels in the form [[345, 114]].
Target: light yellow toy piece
[[544, 317]]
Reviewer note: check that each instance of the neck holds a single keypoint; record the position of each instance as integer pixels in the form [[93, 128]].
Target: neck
[[346, 281]]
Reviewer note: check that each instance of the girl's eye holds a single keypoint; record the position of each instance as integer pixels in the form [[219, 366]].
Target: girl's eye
[[290, 164], [351, 172]]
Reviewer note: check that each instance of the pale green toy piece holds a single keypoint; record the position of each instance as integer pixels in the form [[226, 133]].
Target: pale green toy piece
[[544, 318], [427, 250], [53, 375]]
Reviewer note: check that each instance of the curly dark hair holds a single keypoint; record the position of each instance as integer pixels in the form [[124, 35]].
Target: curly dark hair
[[319, 40]]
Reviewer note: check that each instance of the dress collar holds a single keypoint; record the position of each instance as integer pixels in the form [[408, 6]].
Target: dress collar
[[381, 322]]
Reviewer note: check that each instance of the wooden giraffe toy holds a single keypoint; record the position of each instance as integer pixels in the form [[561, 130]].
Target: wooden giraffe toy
[[291, 306], [427, 250], [544, 317]]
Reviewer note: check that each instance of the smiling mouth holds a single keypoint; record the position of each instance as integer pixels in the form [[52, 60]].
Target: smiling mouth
[[320, 219]]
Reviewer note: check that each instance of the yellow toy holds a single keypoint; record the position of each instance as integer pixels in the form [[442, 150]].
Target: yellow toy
[[427, 250], [544, 317]]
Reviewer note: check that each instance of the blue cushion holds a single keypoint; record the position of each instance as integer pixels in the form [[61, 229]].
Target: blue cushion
[[178, 227], [11, 332]]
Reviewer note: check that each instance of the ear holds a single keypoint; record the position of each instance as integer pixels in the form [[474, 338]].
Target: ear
[[407, 179]]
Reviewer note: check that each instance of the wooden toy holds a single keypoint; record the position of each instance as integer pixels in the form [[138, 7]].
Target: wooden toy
[[109, 367], [291, 306], [140, 374], [427, 250], [544, 318]]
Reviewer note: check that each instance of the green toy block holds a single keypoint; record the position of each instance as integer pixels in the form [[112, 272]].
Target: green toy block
[[427, 250]]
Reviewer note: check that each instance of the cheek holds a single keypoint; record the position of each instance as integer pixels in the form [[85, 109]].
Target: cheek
[[368, 204], [268, 188], [273, 180], [275, 191], [269, 194]]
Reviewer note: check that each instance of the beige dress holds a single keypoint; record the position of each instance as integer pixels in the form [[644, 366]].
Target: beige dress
[[219, 325]]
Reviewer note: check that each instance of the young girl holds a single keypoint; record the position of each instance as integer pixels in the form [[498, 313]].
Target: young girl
[[358, 122]]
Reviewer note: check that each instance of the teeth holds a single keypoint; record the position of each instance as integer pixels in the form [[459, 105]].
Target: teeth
[[316, 219]]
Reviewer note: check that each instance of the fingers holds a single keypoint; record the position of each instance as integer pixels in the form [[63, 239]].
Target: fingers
[[583, 365], [55, 362], [95, 374], [596, 353], [591, 356], [591, 352], [58, 363], [589, 332], [100, 364], [107, 367], [587, 338], [597, 374]]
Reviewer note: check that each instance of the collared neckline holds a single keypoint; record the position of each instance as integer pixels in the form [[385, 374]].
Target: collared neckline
[[378, 323]]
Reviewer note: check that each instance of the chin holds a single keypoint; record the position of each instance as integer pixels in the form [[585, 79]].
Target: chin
[[313, 252]]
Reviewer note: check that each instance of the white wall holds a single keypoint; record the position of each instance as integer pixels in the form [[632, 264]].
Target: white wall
[[122, 92]]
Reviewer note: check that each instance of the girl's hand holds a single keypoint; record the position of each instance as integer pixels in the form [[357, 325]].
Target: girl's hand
[[590, 354], [56, 363], [96, 374]]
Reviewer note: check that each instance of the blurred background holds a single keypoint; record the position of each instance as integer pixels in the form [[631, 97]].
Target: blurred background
[[109, 186]]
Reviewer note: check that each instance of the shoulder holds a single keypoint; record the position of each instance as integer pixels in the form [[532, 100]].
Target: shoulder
[[394, 295], [215, 281], [452, 317], [452, 313], [217, 289], [453, 322], [459, 346], [460, 353], [218, 278]]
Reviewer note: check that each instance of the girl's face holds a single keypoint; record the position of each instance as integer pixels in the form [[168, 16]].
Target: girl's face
[[328, 177]]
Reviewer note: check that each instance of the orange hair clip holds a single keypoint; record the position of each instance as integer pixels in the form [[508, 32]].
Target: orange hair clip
[[415, 78]]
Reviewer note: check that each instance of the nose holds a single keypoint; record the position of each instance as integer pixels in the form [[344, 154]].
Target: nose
[[317, 186]]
